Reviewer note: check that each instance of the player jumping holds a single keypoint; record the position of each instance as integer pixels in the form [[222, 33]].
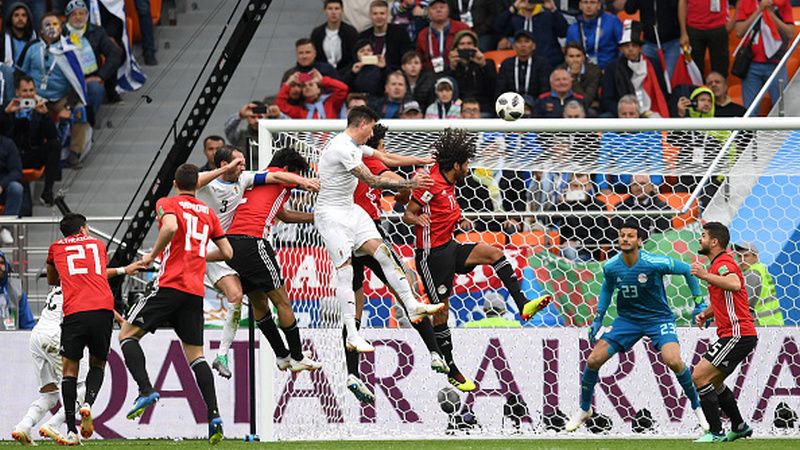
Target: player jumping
[[185, 226], [736, 331], [642, 310], [434, 211], [347, 229]]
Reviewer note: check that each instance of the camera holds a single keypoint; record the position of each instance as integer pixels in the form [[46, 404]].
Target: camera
[[466, 53], [369, 60], [27, 103], [260, 109], [693, 104]]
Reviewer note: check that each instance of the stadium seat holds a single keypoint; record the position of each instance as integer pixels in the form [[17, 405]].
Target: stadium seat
[[30, 175], [536, 240], [677, 200], [497, 239], [611, 200], [498, 56], [387, 203]]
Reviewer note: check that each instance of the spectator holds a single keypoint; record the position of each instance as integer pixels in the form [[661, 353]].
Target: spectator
[[353, 99], [644, 197], [411, 110], [411, 15], [18, 32], [40, 60], [212, 143], [550, 104], [295, 89], [634, 74], [420, 82], [13, 298], [474, 75], [760, 286], [470, 108], [98, 55], [524, 73], [661, 17], [34, 135], [307, 61], [764, 61], [36, 9], [387, 39], [638, 151], [478, 15], [434, 40], [581, 235], [600, 46], [10, 178], [543, 19], [494, 310], [725, 106], [586, 76], [334, 40], [244, 136], [318, 104], [147, 31], [447, 104], [700, 104], [367, 73], [704, 25], [395, 95]]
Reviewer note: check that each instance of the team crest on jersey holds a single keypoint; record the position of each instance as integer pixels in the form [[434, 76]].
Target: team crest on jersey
[[723, 270], [427, 196], [642, 278], [442, 289]]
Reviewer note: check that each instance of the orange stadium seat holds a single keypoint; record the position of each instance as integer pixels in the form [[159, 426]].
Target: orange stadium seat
[[611, 200], [29, 175], [498, 56], [537, 240], [487, 237], [387, 203], [678, 200]]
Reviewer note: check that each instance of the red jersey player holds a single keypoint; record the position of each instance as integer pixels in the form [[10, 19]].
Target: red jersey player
[[255, 262], [185, 226], [735, 329], [435, 213], [78, 263]]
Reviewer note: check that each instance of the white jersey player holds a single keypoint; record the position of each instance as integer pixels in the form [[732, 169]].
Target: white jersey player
[[45, 344], [222, 190], [348, 230]]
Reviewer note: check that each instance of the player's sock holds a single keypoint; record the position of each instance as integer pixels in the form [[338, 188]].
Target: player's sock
[[710, 404], [502, 267], [445, 343], [69, 394], [134, 359], [425, 329], [395, 275], [38, 409], [270, 331], [351, 358], [205, 381], [347, 298], [230, 328], [588, 382], [94, 380], [685, 379], [292, 333], [728, 404]]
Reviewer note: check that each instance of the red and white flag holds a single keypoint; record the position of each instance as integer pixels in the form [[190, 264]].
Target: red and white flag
[[769, 35], [686, 70]]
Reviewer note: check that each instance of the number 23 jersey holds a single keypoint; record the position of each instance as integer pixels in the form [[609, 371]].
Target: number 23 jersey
[[183, 261]]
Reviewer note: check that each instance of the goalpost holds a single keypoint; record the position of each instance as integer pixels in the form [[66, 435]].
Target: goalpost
[[557, 228]]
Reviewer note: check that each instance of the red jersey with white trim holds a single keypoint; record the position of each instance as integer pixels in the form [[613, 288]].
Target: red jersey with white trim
[[731, 310], [440, 204], [183, 261], [81, 264], [259, 207], [369, 198]]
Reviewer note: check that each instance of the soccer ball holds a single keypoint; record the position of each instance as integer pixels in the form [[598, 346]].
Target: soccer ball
[[510, 106]]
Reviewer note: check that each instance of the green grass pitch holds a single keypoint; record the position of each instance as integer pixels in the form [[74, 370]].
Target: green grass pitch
[[453, 444]]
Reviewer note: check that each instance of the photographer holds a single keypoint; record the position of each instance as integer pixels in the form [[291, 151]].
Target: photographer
[[367, 73], [245, 136], [475, 75]]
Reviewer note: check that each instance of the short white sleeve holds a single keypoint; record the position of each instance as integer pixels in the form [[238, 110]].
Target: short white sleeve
[[349, 156], [246, 179], [367, 151]]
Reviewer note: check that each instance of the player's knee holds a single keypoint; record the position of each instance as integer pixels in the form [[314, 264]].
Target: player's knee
[[235, 297], [495, 254], [699, 379], [675, 364]]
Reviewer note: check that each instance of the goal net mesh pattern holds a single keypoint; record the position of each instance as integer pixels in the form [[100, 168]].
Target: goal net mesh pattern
[[553, 201]]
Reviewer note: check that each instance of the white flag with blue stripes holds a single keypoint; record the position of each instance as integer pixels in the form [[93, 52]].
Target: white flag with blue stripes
[[129, 76]]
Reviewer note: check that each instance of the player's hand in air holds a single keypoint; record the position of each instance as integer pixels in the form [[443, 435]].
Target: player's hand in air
[[134, 267], [699, 270], [236, 162], [593, 330], [147, 260], [310, 185], [421, 180]]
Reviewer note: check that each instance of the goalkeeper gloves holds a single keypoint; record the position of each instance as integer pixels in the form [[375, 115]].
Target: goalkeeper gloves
[[596, 324]]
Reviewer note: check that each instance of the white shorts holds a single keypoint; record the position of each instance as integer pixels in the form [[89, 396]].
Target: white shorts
[[46, 358], [216, 270], [344, 231]]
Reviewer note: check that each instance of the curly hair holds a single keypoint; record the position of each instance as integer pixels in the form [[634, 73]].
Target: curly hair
[[378, 133], [454, 146]]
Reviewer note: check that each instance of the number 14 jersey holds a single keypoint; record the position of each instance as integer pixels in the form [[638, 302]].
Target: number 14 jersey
[[183, 261]]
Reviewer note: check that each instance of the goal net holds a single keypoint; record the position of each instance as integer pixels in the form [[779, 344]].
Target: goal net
[[551, 194]]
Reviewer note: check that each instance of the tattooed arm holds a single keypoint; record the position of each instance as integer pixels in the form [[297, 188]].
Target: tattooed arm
[[421, 180]]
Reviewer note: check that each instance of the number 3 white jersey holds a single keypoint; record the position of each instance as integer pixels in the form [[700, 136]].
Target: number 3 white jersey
[[224, 196], [52, 314], [337, 184]]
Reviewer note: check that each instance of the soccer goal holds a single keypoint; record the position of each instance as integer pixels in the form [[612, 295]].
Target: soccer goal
[[552, 193]]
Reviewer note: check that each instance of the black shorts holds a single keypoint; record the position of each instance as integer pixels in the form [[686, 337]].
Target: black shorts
[[438, 267], [87, 329], [360, 263], [255, 262], [166, 306], [728, 352]]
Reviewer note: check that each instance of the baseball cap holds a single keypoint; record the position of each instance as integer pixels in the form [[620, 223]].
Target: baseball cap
[[746, 246], [412, 105], [526, 33], [494, 304], [74, 5]]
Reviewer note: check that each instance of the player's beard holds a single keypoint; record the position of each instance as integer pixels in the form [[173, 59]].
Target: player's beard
[[704, 250]]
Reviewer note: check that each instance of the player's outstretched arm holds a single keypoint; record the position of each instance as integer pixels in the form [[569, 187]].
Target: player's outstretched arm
[[421, 180], [395, 160], [681, 268], [223, 252], [203, 178], [413, 215], [130, 269], [308, 184], [53, 279], [291, 216], [169, 226]]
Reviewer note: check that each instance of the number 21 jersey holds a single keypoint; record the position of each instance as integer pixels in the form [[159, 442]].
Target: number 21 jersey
[[81, 264], [183, 261]]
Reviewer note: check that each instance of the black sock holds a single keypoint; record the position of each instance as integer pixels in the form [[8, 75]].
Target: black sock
[[267, 326], [728, 404], [710, 405], [205, 381], [442, 333], [351, 358], [134, 359], [94, 380], [69, 395], [502, 267], [292, 334], [425, 330]]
